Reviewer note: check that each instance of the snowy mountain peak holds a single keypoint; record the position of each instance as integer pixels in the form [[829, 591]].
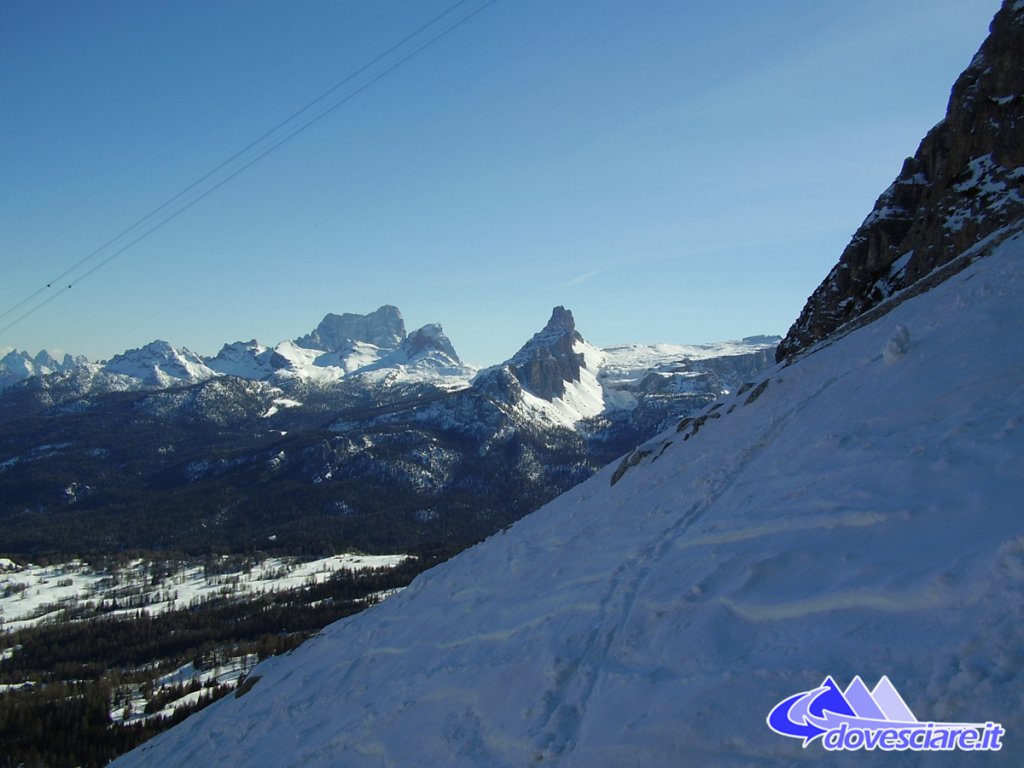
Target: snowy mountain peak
[[429, 339], [244, 359], [384, 328], [559, 331], [424, 356], [16, 365], [55, 359], [159, 364], [553, 377], [550, 359], [343, 345], [560, 378], [561, 321]]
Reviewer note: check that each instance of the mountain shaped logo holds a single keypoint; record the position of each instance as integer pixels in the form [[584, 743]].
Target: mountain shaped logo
[[858, 718]]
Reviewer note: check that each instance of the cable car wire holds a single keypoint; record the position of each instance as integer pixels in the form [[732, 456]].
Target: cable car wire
[[252, 161]]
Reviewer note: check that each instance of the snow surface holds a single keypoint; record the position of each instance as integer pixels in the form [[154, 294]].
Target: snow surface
[[854, 517], [581, 399], [629, 363], [317, 365], [160, 364], [610, 371], [279, 403], [244, 359], [16, 366], [34, 594]]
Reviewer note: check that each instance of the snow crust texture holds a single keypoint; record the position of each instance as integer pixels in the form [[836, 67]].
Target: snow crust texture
[[856, 513]]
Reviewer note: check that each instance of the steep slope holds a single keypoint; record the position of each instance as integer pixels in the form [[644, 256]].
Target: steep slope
[[858, 514], [965, 182], [552, 378]]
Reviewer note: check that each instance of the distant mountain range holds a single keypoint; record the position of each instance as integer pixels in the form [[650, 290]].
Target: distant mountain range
[[17, 366], [339, 346], [356, 434]]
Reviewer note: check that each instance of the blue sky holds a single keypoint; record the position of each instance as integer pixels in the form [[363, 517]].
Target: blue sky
[[670, 171]]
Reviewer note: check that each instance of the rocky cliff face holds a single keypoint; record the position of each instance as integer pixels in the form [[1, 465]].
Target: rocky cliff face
[[383, 328], [965, 182], [547, 361]]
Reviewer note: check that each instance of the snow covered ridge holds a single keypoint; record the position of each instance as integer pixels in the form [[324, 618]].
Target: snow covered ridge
[[340, 346], [613, 380], [16, 366], [160, 365], [375, 345], [558, 378], [373, 349], [859, 516]]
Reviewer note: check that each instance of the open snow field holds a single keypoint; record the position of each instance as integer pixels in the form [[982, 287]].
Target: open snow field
[[32, 594]]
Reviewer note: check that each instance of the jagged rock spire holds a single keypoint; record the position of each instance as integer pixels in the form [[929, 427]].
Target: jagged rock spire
[[547, 361]]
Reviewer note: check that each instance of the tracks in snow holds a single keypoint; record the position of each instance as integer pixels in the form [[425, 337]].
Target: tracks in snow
[[567, 701]]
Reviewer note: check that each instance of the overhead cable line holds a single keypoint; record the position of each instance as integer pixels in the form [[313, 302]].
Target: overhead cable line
[[170, 201], [249, 163]]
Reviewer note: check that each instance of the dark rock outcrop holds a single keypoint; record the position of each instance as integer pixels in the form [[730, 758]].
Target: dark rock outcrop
[[383, 328], [965, 182], [547, 361]]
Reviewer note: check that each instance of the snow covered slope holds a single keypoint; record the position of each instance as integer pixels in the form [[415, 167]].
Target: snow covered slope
[[627, 369], [159, 364], [858, 514], [244, 359], [374, 346]]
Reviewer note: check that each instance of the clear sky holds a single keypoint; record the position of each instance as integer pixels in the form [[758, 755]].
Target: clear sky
[[671, 170]]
